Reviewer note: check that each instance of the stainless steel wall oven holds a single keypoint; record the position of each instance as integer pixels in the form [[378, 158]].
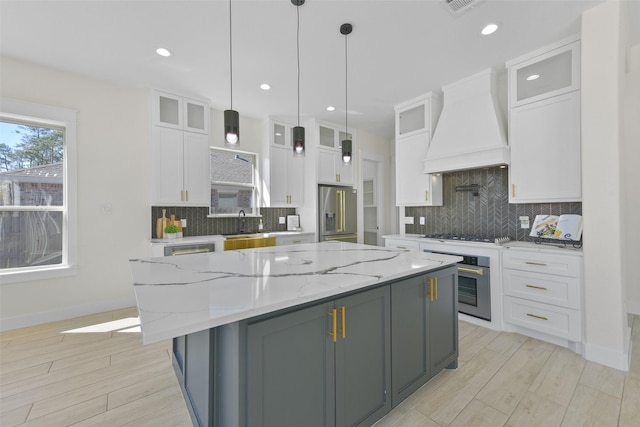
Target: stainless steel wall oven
[[474, 290]]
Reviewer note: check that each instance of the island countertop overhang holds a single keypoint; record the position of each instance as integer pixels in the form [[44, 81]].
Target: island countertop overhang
[[185, 294]]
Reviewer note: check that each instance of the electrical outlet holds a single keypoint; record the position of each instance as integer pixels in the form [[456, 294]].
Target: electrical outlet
[[184, 223], [281, 220], [421, 220], [408, 220], [524, 221]]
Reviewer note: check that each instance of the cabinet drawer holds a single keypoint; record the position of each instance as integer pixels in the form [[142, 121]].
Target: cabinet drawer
[[558, 321], [563, 265], [402, 244], [558, 290]]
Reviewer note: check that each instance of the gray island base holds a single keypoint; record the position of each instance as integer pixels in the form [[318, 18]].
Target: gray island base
[[326, 334]]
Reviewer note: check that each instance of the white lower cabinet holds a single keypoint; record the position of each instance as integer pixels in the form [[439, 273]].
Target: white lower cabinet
[[295, 239], [543, 292], [402, 244]]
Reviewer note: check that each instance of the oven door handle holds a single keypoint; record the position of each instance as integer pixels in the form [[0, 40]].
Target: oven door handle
[[477, 271]]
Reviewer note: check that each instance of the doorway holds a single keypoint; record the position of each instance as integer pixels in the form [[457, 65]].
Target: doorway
[[371, 198]]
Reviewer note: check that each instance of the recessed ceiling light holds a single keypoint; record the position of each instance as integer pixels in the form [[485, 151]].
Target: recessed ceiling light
[[163, 52], [489, 29], [265, 86], [331, 108], [533, 77]]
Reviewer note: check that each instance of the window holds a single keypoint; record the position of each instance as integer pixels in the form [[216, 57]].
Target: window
[[37, 191], [233, 176]]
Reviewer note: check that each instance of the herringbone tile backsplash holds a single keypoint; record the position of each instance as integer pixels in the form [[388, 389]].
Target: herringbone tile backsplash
[[487, 214], [198, 224]]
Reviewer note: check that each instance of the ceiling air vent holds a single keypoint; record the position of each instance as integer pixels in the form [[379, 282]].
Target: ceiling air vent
[[457, 7]]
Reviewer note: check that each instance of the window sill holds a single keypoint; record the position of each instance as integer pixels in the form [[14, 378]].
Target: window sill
[[38, 274]]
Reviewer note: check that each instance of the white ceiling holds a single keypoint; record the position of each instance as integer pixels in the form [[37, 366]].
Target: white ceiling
[[397, 51]]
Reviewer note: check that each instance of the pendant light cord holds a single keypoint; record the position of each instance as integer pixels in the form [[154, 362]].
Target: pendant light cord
[[230, 57], [298, 56], [346, 86]]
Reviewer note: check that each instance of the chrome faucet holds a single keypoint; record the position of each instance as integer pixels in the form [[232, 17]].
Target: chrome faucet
[[241, 221]]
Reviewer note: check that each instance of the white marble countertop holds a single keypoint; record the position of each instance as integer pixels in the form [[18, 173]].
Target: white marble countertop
[[216, 237], [185, 294]]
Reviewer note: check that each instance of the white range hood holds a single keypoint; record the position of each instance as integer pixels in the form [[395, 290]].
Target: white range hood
[[471, 131]]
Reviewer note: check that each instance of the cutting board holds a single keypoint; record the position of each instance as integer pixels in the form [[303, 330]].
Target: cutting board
[[161, 223]]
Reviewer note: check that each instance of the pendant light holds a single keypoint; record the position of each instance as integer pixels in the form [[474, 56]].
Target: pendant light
[[298, 131], [345, 29], [231, 118]]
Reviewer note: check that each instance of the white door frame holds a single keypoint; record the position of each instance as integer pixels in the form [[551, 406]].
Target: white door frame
[[380, 175]]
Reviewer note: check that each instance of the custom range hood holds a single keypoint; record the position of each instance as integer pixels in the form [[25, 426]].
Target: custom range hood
[[471, 131]]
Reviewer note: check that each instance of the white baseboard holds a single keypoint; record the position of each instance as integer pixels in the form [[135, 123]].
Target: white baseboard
[[608, 357], [32, 319]]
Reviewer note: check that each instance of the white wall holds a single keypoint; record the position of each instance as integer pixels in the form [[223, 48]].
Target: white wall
[[630, 153], [113, 151], [603, 53]]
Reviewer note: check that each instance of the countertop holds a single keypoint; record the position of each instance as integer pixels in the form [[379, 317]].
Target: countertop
[[215, 237], [180, 295], [513, 244]]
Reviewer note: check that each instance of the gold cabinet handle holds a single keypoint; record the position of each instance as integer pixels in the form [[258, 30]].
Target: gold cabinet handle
[[430, 289], [436, 280], [343, 312], [186, 195], [181, 195], [513, 190], [426, 196], [536, 287], [537, 317], [542, 264], [477, 271], [334, 324]]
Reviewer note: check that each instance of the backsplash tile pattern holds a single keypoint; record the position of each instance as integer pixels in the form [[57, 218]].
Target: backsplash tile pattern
[[488, 214], [198, 224]]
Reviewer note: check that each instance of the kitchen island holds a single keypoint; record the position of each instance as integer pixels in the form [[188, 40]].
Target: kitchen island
[[301, 334]]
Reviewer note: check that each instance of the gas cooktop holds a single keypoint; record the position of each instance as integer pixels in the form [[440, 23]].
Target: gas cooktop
[[465, 237]]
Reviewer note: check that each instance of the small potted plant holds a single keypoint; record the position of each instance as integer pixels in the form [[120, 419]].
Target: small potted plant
[[171, 231]]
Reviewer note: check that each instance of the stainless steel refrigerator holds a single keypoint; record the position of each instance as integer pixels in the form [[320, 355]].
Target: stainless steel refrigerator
[[337, 215]]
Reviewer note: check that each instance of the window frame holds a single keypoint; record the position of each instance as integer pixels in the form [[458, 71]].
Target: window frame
[[254, 186], [50, 116]]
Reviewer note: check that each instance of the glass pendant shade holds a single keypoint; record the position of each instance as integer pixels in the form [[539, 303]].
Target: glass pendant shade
[[231, 128], [298, 141], [346, 151]]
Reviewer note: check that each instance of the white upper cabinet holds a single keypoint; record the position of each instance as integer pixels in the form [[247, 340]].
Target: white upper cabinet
[[181, 113], [415, 122], [286, 171], [544, 125], [542, 75], [180, 151], [331, 169]]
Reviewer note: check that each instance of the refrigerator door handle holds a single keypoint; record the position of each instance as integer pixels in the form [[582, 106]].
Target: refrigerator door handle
[[340, 207]]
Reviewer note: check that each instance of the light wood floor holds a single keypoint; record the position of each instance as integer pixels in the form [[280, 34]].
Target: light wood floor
[[94, 371]]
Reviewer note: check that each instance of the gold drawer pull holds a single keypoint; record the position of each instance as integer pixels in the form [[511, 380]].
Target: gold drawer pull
[[343, 311], [536, 287], [536, 263], [537, 317], [334, 323], [513, 190]]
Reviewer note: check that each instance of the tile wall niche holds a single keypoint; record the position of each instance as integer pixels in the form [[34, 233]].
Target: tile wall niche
[[488, 214], [198, 224]]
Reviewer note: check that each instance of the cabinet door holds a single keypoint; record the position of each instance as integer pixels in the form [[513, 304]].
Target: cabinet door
[[363, 370], [196, 116], [545, 151], [197, 178], [443, 320], [290, 370], [296, 180], [167, 166], [167, 110], [279, 176], [410, 362], [326, 167], [413, 186]]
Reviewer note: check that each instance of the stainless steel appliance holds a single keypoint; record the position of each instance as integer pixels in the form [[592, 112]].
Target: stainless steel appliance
[[337, 218], [474, 290]]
